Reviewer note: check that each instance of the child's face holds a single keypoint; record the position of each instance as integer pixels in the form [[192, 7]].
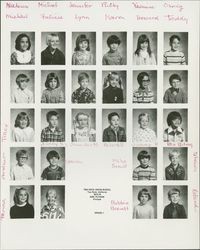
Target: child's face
[[23, 83], [175, 198], [54, 42], [84, 83], [175, 159], [144, 122], [175, 83], [82, 121], [51, 198], [114, 80], [114, 121], [114, 46], [175, 44], [23, 123], [144, 199], [53, 161], [53, 121], [24, 44], [176, 123], [144, 161], [145, 82], [22, 160], [83, 45], [53, 83], [144, 46], [22, 197]]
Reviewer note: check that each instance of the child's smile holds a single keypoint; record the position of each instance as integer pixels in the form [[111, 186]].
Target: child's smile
[[114, 46], [22, 160], [83, 45], [144, 162], [144, 199], [53, 83], [53, 161], [175, 198], [83, 121], [144, 122], [145, 82], [53, 121], [24, 44], [144, 46], [175, 159], [114, 121], [51, 198], [176, 123], [175, 83], [175, 44], [54, 42], [114, 80], [23, 123], [84, 83], [23, 84], [22, 197]]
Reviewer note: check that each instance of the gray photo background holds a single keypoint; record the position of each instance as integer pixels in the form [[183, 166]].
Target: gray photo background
[[61, 45], [106, 112], [153, 192], [31, 84], [90, 112], [153, 81], [29, 112], [183, 159], [183, 43], [30, 190], [122, 47]]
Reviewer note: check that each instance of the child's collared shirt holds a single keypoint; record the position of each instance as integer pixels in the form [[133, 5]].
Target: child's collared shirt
[[113, 58], [143, 96], [83, 96], [23, 135], [114, 135], [57, 58], [144, 173], [174, 57], [144, 136], [49, 135], [53, 174], [84, 135], [22, 96], [174, 211], [21, 172], [175, 96], [53, 96], [171, 135], [172, 173]]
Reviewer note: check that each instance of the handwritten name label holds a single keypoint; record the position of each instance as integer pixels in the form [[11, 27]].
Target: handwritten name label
[[2, 209], [3, 166], [47, 4], [171, 6], [173, 18], [179, 144], [119, 163], [116, 205], [145, 144], [111, 5], [142, 6], [147, 18], [109, 17], [17, 16], [74, 162], [195, 195], [51, 17], [81, 18], [118, 145], [195, 161], [4, 133], [81, 5], [16, 5], [92, 144]]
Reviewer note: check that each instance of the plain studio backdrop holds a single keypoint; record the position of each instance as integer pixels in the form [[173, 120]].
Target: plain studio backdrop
[[153, 192], [120, 112], [31, 157], [183, 42], [153, 81], [122, 47], [29, 189], [90, 112], [31, 84], [29, 112], [183, 159]]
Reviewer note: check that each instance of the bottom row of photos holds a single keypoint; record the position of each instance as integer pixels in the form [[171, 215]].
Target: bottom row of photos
[[144, 202]]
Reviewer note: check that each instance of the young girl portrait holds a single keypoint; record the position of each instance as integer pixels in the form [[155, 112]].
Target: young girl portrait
[[144, 54], [23, 52], [53, 92]]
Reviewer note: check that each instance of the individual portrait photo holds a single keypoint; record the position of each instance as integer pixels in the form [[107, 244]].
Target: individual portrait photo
[[53, 125], [145, 126], [114, 48], [52, 202], [84, 48], [145, 86], [53, 86], [53, 48], [22, 86], [175, 48], [175, 125], [175, 202], [22, 48], [53, 163], [83, 86], [175, 86], [144, 48], [114, 125], [83, 125], [175, 162], [22, 124], [21, 202], [22, 163], [114, 86], [144, 160], [144, 202]]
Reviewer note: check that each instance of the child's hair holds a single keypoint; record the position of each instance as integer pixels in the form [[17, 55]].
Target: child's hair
[[52, 154], [140, 77], [108, 77], [20, 153], [51, 191], [143, 154], [145, 192], [16, 195], [79, 40], [22, 116], [174, 77], [112, 114], [173, 191], [18, 40], [20, 77], [82, 76], [143, 115], [49, 36], [113, 39], [171, 39], [142, 39], [80, 113], [173, 152], [51, 76], [50, 114], [173, 116]]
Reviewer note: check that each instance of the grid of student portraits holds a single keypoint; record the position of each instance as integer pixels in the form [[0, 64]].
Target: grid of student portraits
[[44, 110]]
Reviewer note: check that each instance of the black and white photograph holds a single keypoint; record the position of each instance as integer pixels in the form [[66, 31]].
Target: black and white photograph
[[144, 48], [145, 86], [53, 86], [53, 48], [22, 86], [114, 125], [114, 86], [83, 125], [83, 86], [52, 163], [22, 125], [175, 123], [22, 202], [175, 202], [144, 126], [144, 160], [53, 125], [84, 48], [22, 48], [175, 163], [52, 202], [22, 163], [175, 86], [114, 48], [175, 48], [144, 202]]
